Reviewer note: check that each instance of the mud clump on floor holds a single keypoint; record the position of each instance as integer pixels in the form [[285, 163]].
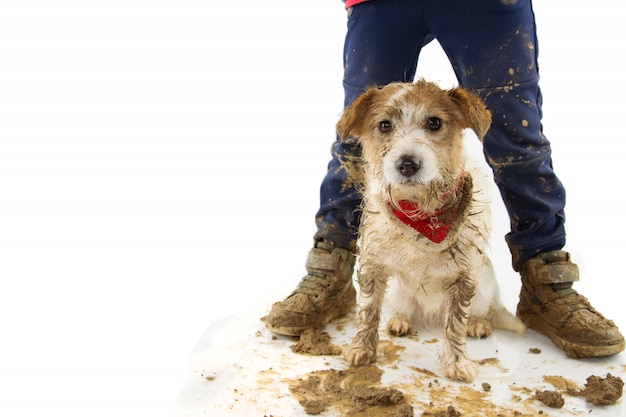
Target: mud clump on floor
[[603, 391], [353, 393], [315, 342], [552, 399], [448, 412]]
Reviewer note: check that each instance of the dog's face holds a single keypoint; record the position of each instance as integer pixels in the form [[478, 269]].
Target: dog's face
[[411, 135]]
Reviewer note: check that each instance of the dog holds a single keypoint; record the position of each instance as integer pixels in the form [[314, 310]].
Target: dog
[[425, 220]]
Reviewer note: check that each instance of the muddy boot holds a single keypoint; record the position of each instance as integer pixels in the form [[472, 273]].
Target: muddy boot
[[549, 305], [326, 292]]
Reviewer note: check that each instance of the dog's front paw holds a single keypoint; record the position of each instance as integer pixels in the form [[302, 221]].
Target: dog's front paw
[[479, 327], [463, 370], [359, 355], [399, 326]]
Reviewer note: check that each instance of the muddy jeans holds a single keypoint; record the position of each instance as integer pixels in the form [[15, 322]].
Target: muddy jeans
[[492, 47]]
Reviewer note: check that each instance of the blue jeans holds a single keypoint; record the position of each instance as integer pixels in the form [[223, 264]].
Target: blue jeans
[[492, 47]]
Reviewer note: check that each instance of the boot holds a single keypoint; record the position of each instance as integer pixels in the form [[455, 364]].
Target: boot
[[549, 305], [326, 292]]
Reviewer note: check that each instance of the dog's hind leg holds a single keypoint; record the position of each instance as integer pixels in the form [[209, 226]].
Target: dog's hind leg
[[399, 325], [497, 318], [455, 360], [401, 306], [362, 350], [479, 327]]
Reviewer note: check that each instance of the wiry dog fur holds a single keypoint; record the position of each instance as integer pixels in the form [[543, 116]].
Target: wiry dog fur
[[411, 135]]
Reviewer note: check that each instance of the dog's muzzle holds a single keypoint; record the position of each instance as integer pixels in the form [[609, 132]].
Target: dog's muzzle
[[407, 166]]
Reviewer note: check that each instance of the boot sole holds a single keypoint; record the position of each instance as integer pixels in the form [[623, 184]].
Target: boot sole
[[571, 349], [333, 313], [297, 331]]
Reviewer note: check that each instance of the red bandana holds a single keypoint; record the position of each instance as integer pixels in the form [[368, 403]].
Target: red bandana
[[430, 225], [434, 226]]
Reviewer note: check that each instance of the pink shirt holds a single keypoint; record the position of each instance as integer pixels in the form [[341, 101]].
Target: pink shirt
[[350, 3]]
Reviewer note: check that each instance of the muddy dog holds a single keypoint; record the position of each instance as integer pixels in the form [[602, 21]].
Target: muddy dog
[[425, 220]]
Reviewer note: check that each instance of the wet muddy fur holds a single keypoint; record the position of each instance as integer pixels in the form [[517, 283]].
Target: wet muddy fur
[[411, 136]]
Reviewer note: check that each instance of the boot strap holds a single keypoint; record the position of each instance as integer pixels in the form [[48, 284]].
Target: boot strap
[[553, 272], [320, 259]]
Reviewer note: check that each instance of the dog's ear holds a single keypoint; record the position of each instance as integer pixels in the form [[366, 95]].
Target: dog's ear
[[352, 121], [473, 111]]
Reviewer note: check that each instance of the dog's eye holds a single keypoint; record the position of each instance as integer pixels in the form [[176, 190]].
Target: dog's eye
[[385, 126], [433, 123]]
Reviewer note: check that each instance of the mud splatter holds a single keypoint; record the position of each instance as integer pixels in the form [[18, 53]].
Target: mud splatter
[[495, 362], [562, 384], [465, 400], [354, 392], [489, 361], [357, 391], [388, 352], [424, 371]]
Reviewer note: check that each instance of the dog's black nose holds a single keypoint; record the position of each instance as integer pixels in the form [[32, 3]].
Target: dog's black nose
[[407, 166]]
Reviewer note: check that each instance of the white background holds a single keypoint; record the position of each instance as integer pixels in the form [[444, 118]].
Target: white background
[[160, 164]]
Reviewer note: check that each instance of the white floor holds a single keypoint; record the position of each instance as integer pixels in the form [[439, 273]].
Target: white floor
[[239, 368], [159, 167]]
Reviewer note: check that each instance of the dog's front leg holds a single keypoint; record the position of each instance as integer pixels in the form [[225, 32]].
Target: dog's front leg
[[372, 284], [455, 360]]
